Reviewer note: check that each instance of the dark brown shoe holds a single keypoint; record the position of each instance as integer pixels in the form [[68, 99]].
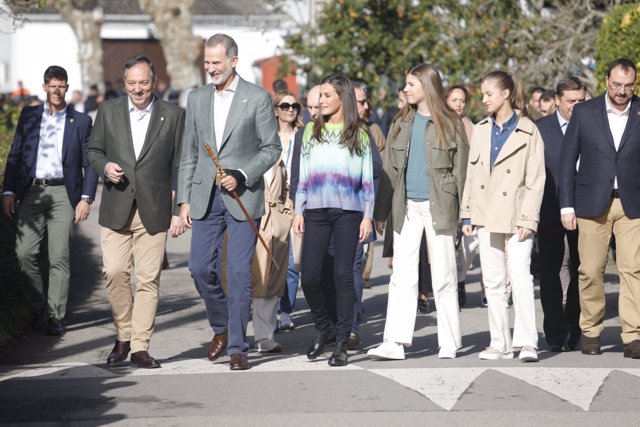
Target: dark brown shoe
[[632, 349], [119, 353], [218, 346], [142, 359], [239, 362], [591, 346]]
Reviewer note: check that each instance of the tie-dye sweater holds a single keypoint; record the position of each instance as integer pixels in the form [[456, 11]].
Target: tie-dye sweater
[[331, 177]]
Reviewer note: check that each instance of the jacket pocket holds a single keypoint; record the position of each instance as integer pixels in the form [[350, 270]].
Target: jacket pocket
[[441, 158]]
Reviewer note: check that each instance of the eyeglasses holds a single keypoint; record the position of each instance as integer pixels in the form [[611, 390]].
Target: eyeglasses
[[285, 106], [618, 86], [361, 101]]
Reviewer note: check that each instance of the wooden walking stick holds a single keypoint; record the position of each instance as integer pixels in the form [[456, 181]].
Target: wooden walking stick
[[219, 176]]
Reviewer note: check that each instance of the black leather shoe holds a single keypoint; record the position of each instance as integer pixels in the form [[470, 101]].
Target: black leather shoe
[[339, 356], [119, 353], [354, 341], [462, 294], [557, 348], [591, 346], [632, 350], [142, 359], [55, 327], [239, 362], [318, 343]]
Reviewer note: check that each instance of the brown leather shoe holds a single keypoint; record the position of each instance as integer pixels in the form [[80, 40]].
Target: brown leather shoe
[[591, 346], [142, 359], [632, 349], [119, 353], [218, 346], [239, 362]]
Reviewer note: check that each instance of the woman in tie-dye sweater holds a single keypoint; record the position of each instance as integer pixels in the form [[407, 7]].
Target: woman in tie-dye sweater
[[335, 196]]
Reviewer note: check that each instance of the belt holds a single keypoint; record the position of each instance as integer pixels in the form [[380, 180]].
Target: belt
[[48, 182], [615, 194]]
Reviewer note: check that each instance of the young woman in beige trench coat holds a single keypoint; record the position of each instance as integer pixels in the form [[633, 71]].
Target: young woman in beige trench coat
[[502, 197]]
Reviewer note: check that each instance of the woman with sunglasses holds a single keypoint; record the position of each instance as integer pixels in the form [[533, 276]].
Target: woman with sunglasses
[[287, 111], [335, 196], [502, 198], [425, 166]]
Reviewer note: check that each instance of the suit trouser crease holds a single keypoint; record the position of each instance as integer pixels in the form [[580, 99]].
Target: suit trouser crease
[[319, 226], [593, 246], [561, 319], [403, 286], [133, 315], [229, 312], [46, 210], [493, 248]]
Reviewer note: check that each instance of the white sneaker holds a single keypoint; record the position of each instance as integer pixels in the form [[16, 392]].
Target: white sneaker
[[446, 354], [388, 350], [285, 323], [491, 353], [528, 354], [268, 346]]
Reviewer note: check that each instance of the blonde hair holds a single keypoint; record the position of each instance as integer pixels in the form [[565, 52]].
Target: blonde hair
[[277, 97]]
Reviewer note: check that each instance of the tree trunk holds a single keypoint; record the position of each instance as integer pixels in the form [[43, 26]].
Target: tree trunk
[[85, 18], [181, 48]]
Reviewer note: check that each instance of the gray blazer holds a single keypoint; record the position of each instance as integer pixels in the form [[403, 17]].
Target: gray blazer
[[250, 142], [147, 180]]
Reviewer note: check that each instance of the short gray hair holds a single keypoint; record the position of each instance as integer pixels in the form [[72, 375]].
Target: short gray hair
[[229, 44]]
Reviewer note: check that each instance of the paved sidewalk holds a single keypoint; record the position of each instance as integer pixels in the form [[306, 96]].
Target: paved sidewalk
[[66, 381]]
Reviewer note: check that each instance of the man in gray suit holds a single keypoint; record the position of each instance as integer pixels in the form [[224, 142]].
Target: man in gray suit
[[135, 147], [237, 120]]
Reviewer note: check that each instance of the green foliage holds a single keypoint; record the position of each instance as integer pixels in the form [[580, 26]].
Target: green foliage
[[619, 36]]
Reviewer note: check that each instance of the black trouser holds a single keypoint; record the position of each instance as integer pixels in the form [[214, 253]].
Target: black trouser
[[319, 225], [560, 325]]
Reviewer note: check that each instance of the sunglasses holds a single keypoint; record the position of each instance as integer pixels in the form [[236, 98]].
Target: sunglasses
[[286, 106]]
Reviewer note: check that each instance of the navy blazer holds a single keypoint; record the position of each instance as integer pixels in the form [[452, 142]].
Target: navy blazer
[[588, 137], [79, 178], [553, 137]]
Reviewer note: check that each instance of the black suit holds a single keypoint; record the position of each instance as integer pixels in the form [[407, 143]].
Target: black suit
[[561, 324]]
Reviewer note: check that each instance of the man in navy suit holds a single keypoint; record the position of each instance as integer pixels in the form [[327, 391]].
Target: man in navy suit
[[558, 247], [603, 198], [48, 185]]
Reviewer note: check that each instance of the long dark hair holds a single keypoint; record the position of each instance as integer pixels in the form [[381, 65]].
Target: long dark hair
[[507, 81], [443, 117], [350, 133]]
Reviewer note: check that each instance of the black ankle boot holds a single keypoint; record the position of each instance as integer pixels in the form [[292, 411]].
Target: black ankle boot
[[462, 294], [318, 343], [339, 356]]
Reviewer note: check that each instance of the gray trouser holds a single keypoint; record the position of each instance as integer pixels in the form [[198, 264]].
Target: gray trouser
[[46, 210]]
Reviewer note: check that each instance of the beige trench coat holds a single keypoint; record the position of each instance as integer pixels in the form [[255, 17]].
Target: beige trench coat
[[509, 196]]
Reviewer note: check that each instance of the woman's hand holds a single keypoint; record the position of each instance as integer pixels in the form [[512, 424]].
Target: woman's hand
[[524, 233], [298, 225], [467, 230], [366, 229]]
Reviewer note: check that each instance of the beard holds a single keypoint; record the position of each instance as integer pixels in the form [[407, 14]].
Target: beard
[[220, 79]]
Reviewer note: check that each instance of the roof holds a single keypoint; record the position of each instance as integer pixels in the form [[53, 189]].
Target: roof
[[199, 8]]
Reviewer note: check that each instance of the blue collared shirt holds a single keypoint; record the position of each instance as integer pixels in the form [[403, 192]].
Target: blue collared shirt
[[499, 136]]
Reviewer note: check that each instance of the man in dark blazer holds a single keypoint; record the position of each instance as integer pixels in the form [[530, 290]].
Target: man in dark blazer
[[236, 119], [603, 198], [558, 247], [47, 185], [135, 147]]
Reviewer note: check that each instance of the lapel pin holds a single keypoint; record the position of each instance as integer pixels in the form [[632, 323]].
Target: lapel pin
[[71, 119], [161, 118], [244, 100]]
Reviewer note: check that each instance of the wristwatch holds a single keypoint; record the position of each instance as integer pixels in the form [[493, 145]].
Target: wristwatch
[[87, 199]]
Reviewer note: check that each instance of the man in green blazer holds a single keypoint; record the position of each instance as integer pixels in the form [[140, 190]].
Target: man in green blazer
[[237, 120], [135, 147]]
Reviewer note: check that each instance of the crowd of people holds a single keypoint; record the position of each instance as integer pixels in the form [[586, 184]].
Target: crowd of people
[[277, 194]]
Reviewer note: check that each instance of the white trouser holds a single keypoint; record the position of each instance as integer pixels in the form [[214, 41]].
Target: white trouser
[[264, 317], [466, 253], [403, 286], [492, 262]]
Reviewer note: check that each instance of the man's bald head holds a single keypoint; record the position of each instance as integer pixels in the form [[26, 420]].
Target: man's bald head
[[313, 98]]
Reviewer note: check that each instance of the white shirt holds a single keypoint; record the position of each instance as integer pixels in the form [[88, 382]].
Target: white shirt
[[139, 120], [617, 124], [49, 160], [221, 106], [563, 123]]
